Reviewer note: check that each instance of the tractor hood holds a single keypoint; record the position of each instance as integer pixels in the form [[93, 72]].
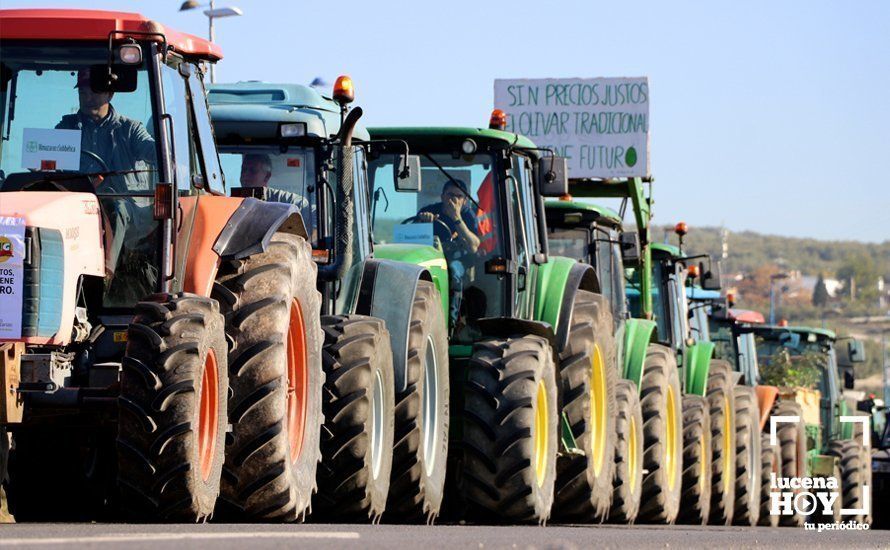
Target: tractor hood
[[63, 241]]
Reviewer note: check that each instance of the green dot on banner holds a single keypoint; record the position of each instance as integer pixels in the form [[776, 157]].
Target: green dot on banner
[[630, 158]]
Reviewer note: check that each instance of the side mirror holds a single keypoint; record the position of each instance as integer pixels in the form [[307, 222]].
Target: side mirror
[[856, 351], [848, 379], [552, 174], [712, 278], [116, 77], [407, 174], [630, 247]]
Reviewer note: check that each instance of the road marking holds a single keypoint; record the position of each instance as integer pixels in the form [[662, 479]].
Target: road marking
[[178, 537]]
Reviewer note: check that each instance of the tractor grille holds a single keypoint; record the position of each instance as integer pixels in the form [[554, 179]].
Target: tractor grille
[[42, 292]]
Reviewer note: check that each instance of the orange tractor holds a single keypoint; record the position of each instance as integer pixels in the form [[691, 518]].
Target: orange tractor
[[156, 334]]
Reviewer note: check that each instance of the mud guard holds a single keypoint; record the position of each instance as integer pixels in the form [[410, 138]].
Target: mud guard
[[382, 294], [766, 398], [251, 226], [558, 282], [697, 364], [638, 334]]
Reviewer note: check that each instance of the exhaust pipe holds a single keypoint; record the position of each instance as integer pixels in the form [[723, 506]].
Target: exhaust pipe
[[345, 196]]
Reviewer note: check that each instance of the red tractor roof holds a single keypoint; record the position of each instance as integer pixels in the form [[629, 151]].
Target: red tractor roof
[[95, 25], [746, 316]]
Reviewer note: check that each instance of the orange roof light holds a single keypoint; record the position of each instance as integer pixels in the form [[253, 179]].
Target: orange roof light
[[567, 197], [681, 229], [730, 298], [498, 120], [344, 91], [692, 271], [783, 323]]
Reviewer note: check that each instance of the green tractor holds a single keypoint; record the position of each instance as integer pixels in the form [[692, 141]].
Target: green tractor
[[533, 401], [385, 398], [803, 362], [688, 450]]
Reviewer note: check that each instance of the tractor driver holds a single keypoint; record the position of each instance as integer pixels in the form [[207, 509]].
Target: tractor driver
[[256, 171], [119, 142], [112, 142], [454, 212]]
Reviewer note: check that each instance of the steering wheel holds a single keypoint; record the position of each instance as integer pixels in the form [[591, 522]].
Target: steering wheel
[[440, 228], [95, 158]]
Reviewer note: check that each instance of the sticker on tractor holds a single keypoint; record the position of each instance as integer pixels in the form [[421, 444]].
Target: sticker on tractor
[[414, 233], [600, 124], [49, 149], [12, 272]]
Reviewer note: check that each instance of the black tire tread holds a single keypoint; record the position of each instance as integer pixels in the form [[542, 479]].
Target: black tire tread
[[696, 499]]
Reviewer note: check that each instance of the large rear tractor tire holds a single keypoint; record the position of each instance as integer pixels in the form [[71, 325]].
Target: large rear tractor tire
[[357, 437], [588, 373], [628, 483], [421, 440], [510, 424], [747, 457], [793, 447], [771, 463], [853, 476], [171, 429], [272, 309], [661, 403], [696, 500], [723, 440]]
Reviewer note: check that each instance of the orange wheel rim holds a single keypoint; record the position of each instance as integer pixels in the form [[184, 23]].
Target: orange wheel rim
[[208, 415], [297, 381]]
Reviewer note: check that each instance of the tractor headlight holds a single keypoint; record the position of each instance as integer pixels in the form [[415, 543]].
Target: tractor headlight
[[292, 130]]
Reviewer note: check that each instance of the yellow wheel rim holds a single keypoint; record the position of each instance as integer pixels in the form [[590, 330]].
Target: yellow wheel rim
[[598, 412], [541, 435], [633, 461], [671, 446], [728, 454]]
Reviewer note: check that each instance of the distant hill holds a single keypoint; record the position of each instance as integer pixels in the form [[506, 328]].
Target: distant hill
[[749, 250]]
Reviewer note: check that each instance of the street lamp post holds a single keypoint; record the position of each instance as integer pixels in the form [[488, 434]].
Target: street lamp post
[[772, 295], [211, 13]]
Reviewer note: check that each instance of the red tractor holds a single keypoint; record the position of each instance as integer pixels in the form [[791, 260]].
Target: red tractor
[[156, 334]]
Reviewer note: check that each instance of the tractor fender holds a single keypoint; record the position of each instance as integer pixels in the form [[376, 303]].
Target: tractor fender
[[386, 291], [697, 364], [227, 228], [558, 283], [638, 334], [252, 224], [507, 327], [766, 398]]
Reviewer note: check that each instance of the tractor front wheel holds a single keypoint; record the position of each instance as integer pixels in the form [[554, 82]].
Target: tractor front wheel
[[587, 373], [696, 499], [723, 440], [172, 423], [661, 402], [628, 483], [852, 475], [510, 431], [771, 463], [747, 457], [793, 448]]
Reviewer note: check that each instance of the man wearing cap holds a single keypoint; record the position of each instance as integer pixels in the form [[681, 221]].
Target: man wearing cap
[[453, 212], [464, 228], [122, 143]]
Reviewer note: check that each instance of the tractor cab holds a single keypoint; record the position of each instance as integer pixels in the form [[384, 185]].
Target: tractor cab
[[103, 115], [479, 211], [594, 235]]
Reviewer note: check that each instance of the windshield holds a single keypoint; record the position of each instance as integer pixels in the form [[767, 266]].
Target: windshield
[[456, 211], [636, 304], [289, 176], [53, 120], [571, 243]]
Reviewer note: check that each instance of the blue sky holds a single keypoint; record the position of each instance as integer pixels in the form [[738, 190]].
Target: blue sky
[[769, 116]]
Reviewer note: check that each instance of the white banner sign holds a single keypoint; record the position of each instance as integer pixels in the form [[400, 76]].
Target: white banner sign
[[600, 124], [12, 272], [48, 149]]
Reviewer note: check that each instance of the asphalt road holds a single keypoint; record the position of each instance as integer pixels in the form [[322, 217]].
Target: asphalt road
[[224, 536]]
